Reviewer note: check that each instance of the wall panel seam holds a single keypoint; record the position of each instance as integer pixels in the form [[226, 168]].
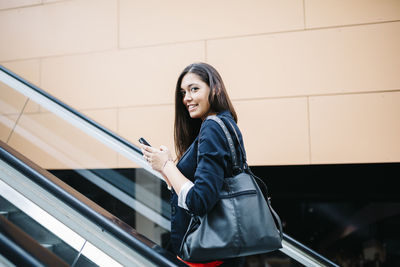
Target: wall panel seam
[[205, 51], [118, 24], [315, 95], [304, 14], [20, 7], [262, 34], [62, 55], [350, 25], [309, 131], [117, 131], [33, 5], [83, 110], [164, 44], [41, 109]]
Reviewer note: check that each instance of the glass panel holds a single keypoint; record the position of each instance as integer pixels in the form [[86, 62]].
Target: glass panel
[[83, 157], [11, 102], [11, 105], [358, 233]]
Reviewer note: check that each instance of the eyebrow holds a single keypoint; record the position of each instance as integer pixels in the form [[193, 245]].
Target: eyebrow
[[190, 85]]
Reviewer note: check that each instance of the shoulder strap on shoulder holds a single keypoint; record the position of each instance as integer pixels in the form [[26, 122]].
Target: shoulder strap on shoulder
[[230, 142]]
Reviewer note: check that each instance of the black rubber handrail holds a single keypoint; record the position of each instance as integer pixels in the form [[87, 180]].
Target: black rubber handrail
[[306, 250], [87, 208]]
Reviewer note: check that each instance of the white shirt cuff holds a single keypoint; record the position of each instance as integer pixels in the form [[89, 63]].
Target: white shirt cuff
[[183, 193]]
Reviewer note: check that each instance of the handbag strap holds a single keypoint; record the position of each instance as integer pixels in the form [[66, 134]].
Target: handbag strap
[[235, 161]]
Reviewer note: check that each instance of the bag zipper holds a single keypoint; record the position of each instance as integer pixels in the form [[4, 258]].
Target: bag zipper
[[241, 193]]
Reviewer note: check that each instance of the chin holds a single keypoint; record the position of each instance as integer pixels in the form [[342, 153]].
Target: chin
[[195, 116]]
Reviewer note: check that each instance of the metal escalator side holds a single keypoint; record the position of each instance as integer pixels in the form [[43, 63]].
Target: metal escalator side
[[92, 231], [19, 249], [304, 254]]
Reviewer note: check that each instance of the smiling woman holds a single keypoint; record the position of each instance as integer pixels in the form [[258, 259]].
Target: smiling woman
[[203, 153], [196, 77]]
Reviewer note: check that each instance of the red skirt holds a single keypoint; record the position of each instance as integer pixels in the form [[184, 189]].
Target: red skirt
[[207, 264]]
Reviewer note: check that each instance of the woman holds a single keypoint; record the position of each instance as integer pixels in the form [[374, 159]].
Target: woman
[[197, 180]]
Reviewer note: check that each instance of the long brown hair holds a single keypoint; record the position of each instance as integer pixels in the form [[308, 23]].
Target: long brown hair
[[185, 128]]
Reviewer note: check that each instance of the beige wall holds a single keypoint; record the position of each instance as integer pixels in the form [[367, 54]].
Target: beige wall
[[312, 81]]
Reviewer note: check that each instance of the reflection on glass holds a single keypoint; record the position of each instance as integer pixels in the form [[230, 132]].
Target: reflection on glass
[[90, 165]]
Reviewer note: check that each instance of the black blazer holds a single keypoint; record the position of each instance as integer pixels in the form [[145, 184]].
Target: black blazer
[[206, 172]]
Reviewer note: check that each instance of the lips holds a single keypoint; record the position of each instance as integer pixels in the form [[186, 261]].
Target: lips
[[191, 107]]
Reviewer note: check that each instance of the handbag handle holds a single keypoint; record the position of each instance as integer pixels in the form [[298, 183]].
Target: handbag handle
[[235, 161]]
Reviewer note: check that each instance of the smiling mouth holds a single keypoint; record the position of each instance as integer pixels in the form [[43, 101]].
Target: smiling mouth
[[191, 107]]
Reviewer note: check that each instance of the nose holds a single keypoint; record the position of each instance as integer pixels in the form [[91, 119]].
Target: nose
[[187, 97]]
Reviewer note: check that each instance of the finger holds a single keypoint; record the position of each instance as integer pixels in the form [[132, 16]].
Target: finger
[[151, 149], [142, 146], [148, 159], [146, 153], [163, 148]]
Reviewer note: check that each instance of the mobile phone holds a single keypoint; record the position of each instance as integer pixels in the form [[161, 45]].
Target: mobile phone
[[143, 141]]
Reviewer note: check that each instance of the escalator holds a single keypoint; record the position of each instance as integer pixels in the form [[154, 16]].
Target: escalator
[[67, 223], [85, 193]]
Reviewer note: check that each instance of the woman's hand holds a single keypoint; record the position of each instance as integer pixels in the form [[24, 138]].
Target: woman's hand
[[161, 161], [157, 158]]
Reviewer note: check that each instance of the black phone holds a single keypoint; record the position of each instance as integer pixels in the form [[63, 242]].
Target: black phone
[[143, 141]]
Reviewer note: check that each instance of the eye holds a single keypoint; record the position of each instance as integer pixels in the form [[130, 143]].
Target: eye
[[194, 89], [183, 92]]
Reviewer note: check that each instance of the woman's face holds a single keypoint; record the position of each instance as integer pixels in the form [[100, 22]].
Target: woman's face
[[195, 96]]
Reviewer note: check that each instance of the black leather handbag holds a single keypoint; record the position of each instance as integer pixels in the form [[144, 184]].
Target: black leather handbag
[[241, 223]]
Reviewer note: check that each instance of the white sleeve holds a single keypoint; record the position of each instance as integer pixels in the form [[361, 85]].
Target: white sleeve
[[183, 193]]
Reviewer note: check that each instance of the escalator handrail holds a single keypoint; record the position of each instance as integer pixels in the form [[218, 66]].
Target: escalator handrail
[[309, 251], [87, 208]]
